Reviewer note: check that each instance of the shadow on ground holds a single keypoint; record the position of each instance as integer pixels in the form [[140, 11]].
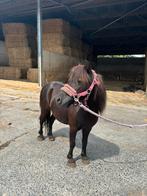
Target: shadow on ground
[[97, 148]]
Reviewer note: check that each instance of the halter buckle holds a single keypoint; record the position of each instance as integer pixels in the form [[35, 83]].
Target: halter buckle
[[76, 101], [88, 92]]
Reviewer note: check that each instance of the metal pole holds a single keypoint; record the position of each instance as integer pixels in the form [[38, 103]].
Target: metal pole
[[39, 40], [145, 73]]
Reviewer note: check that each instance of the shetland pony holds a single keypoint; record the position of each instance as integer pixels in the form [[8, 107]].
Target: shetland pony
[[57, 103]]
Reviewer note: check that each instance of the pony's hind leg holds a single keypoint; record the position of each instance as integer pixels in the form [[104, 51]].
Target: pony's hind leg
[[43, 118], [40, 132], [50, 125]]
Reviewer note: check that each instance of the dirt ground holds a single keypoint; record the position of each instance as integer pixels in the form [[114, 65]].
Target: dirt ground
[[113, 97]]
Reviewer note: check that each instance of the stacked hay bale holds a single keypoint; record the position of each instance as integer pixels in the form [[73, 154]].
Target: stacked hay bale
[[32, 74], [11, 73], [60, 37], [21, 46], [61, 48]]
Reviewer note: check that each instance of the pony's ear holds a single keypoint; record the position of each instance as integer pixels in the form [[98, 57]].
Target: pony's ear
[[88, 68]]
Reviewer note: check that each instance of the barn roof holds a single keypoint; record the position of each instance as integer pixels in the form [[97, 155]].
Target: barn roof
[[113, 26]]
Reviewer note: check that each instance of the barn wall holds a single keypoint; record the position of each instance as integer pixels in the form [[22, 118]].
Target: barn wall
[[125, 69]]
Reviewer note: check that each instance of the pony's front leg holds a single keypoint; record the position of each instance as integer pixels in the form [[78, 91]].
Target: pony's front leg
[[85, 134], [71, 161], [50, 124]]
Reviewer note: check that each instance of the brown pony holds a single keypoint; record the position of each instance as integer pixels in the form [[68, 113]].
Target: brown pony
[[55, 103]]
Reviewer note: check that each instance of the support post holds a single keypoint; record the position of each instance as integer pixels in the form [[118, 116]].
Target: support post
[[39, 41], [145, 73]]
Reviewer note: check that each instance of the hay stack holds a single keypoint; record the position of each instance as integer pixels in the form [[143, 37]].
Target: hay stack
[[11, 73], [62, 49], [20, 44], [32, 74], [62, 38]]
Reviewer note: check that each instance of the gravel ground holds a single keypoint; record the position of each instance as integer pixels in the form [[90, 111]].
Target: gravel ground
[[28, 167]]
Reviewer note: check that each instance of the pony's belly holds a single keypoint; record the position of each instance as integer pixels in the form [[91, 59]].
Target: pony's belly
[[59, 112], [61, 118]]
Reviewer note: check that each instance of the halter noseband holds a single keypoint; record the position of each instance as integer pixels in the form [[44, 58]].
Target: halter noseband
[[73, 93]]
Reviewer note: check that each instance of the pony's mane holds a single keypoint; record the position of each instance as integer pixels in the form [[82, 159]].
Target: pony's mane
[[100, 94]]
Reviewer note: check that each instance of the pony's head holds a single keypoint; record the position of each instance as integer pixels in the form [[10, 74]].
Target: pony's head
[[82, 79], [79, 79]]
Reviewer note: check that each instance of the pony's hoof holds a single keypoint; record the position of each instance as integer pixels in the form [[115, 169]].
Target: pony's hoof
[[71, 163], [40, 138], [51, 138], [85, 160]]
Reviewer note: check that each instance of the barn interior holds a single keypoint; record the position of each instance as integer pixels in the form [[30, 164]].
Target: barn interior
[[106, 34]]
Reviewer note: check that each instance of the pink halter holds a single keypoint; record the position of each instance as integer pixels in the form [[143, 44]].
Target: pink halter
[[73, 93]]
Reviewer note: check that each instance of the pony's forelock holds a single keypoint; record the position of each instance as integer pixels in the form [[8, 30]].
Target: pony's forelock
[[79, 71]]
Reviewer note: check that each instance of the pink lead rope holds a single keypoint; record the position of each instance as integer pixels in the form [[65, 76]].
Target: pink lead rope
[[73, 93], [108, 119]]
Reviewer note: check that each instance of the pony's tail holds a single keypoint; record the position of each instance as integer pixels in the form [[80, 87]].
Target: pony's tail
[[45, 105]]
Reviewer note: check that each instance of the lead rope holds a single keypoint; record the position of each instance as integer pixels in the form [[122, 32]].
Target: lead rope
[[107, 119]]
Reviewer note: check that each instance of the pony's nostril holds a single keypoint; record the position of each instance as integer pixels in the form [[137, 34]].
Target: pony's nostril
[[59, 100]]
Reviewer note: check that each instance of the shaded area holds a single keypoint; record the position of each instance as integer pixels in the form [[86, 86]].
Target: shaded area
[[97, 147]]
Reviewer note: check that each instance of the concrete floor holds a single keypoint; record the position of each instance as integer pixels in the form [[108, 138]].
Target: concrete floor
[[28, 167]]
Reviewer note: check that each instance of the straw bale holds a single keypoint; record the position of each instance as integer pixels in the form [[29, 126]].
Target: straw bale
[[61, 39], [20, 53], [10, 73], [56, 39], [19, 37], [57, 66], [32, 74], [56, 75], [27, 63], [61, 26], [57, 49], [56, 26], [16, 44], [13, 41], [17, 28]]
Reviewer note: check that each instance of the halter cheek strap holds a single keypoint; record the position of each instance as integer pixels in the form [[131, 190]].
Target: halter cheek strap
[[73, 93], [88, 91]]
